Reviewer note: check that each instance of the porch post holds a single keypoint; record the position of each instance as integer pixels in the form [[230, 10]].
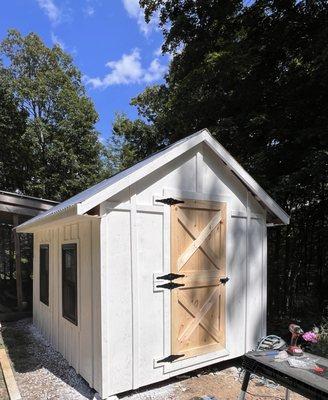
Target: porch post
[[18, 265]]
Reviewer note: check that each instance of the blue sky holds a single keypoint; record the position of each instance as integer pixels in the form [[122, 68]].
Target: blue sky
[[116, 51]]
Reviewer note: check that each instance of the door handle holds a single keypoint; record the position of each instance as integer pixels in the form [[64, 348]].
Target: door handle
[[224, 280]]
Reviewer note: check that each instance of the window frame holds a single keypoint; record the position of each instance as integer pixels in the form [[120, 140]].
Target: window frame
[[47, 246], [73, 320]]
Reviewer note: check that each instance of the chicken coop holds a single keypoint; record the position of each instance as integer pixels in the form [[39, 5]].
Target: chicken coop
[[159, 270]]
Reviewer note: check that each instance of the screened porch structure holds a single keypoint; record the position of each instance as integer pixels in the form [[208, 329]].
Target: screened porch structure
[[16, 251]]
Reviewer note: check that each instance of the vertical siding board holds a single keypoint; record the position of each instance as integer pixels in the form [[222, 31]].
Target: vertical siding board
[[62, 330], [67, 232], [76, 355], [118, 297], [199, 170], [96, 306], [55, 286], [166, 268], [265, 278], [254, 324], [75, 230], [66, 345], [236, 288], [134, 290], [35, 278], [152, 324], [85, 313], [104, 308]]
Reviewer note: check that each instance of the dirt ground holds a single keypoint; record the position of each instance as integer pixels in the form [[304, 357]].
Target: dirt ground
[[43, 374], [210, 384]]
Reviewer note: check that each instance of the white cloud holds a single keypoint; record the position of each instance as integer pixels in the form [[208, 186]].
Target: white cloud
[[88, 11], [155, 71], [136, 12], [51, 10], [55, 40], [158, 52], [129, 70], [132, 7]]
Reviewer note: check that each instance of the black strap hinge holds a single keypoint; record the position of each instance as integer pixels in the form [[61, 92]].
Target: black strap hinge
[[171, 358], [170, 285], [170, 201], [170, 276], [224, 280]]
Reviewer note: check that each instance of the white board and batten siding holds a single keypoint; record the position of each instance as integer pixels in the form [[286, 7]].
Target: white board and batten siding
[[124, 318], [80, 345], [135, 250]]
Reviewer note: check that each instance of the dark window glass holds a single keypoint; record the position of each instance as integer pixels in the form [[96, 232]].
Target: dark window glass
[[44, 273], [69, 281]]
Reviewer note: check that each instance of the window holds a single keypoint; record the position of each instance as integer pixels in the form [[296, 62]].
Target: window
[[44, 273], [69, 282]]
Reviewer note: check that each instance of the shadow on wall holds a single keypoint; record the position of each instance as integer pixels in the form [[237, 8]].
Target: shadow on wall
[[30, 352], [236, 262]]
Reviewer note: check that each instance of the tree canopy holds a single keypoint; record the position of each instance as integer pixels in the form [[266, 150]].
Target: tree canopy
[[256, 76], [13, 141], [51, 145]]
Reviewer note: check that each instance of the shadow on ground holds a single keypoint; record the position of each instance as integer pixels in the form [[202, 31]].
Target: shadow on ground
[[150, 392], [39, 367]]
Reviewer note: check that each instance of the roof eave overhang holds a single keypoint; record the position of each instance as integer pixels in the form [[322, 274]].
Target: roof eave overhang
[[31, 226], [135, 176], [281, 217]]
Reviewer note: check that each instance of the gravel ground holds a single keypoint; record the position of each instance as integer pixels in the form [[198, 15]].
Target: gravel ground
[[43, 374], [211, 384]]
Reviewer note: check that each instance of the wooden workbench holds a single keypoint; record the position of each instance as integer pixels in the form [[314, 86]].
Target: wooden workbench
[[304, 382]]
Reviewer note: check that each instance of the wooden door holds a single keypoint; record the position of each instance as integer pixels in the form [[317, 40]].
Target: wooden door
[[198, 232]]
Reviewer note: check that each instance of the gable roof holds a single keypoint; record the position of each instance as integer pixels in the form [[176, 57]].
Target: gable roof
[[90, 198]]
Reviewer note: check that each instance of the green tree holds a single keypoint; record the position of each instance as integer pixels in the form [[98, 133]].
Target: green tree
[[14, 165], [62, 148], [256, 76]]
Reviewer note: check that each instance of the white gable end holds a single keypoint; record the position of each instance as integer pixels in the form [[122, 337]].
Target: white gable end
[[90, 198], [195, 174]]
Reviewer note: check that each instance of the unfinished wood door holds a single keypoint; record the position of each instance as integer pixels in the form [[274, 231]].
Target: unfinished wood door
[[198, 232]]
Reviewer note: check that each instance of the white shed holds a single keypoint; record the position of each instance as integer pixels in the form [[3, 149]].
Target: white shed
[[130, 275]]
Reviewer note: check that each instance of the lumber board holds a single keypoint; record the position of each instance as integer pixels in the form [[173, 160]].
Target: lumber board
[[8, 375], [184, 257]]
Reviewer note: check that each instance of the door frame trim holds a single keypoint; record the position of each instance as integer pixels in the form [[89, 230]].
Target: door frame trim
[[201, 360]]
